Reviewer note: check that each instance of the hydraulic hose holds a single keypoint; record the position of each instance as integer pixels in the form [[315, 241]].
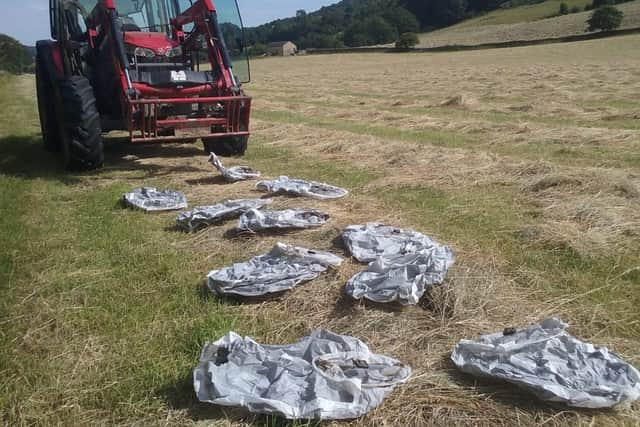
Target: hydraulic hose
[[222, 44], [116, 26]]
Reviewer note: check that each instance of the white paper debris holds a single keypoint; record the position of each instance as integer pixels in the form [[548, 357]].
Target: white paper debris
[[367, 242], [322, 376], [204, 216], [403, 278], [283, 268], [235, 173], [152, 200], [545, 360], [300, 187], [255, 220]]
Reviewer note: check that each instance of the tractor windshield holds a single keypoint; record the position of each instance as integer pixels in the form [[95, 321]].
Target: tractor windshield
[[146, 15], [231, 23], [232, 29], [141, 15], [156, 15]]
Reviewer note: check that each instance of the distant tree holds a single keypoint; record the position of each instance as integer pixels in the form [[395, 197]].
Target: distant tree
[[402, 19], [605, 18], [574, 9], [257, 49], [407, 41], [564, 9], [597, 3], [448, 12], [370, 31], [440, 13], [14, 57], [301, 13]]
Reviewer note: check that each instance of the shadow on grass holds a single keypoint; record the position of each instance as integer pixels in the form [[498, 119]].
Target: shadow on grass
[[207, 295], [510, 395], [121, 156], [24, 156], [181, 396], [209, 180]]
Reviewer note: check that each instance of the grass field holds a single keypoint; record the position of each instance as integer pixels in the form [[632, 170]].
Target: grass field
[[530, 22], [525, 13], [526, 161]]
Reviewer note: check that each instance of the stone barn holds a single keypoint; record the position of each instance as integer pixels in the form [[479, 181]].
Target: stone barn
[[282, 49]]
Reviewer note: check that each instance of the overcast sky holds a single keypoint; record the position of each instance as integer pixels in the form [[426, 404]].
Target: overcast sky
[[28, 20]]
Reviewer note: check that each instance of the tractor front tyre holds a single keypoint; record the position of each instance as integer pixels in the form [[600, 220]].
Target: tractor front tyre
[[48, 123], [229, 146], [81, 129]]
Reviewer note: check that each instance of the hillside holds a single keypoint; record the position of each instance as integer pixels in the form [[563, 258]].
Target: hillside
[[367, 22], [524, 13], [14, 57], [523, 23]]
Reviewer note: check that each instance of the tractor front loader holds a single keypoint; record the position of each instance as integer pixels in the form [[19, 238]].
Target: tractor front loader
[[162, 70]]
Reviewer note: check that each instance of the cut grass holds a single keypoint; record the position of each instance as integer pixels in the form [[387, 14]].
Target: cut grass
[[492, 220], [101, 307], [445, 138], [341, 173], [489, 116], [105, 290]]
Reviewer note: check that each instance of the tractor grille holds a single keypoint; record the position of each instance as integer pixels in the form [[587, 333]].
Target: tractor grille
[[173, 78]]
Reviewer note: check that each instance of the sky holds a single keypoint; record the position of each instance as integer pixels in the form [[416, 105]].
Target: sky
[[28, 20]]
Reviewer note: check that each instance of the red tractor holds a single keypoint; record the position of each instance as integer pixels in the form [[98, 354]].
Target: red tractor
[[162, 70]]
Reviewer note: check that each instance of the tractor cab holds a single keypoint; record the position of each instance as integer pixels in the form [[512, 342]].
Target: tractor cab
[[152, 44]]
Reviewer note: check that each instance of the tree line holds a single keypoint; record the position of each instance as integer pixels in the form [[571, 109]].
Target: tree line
[[352, 23]]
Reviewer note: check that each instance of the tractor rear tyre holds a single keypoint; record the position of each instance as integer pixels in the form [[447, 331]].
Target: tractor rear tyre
[[81, 130], [48, 123]]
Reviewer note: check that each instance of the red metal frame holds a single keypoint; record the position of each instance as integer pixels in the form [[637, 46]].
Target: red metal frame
[[148, 127], [143, 107]]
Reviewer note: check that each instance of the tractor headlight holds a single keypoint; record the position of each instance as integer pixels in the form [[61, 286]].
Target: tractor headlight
[[173, 52], [144, 52]]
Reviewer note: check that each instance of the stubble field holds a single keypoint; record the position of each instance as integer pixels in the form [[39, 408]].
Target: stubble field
[[526, 161]]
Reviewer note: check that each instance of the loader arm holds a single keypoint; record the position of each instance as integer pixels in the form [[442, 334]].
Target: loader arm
[[205, 18]]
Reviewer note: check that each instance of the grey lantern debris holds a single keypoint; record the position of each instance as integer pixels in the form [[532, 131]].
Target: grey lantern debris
[[367, 242], [152, 200], [322, 376], [204, 216], [403, 278], [300, 187], [402, 263], [545, 360], [234, 173], [283, 268], [255, 220]]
